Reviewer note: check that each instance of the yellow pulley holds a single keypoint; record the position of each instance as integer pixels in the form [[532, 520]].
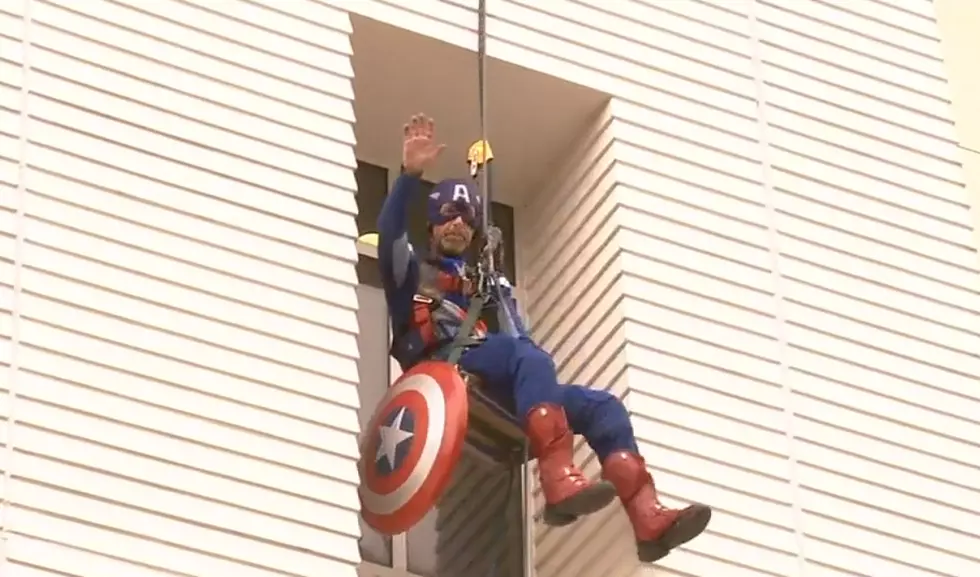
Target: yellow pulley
[[479, 154]]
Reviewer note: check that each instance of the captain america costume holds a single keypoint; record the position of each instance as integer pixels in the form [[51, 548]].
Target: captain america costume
[[427, 301]]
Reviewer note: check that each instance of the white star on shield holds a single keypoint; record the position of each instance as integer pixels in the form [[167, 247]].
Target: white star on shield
[[391, 437]]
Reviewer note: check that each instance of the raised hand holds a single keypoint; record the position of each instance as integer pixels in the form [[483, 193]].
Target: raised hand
[[419, 149]]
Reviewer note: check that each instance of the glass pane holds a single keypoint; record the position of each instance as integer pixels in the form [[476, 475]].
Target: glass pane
[[373, 343], [372, 187]]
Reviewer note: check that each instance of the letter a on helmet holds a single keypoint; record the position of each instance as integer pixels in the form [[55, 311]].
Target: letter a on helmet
[[455, 197]]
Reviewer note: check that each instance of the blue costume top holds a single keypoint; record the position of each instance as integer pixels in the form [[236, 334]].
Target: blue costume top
[[430, 298]]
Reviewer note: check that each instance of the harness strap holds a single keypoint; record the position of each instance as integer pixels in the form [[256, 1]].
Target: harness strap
[[462, 339]]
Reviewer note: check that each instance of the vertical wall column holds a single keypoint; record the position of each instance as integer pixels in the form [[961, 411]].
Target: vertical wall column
[[187, 360], [879, 284], [13, 29], [570, 278], [957, 27]]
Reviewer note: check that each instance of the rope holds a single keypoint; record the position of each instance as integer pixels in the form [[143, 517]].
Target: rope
[[481, 56], [485, 191]]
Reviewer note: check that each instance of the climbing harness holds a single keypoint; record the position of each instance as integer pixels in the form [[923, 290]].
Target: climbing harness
[[489, 293]]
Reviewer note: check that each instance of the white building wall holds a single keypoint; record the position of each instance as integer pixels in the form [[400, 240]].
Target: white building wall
[[10, 98], [960, 43], [799, 307], [798, 285], [185, 392], [878, 278], [570, 276]]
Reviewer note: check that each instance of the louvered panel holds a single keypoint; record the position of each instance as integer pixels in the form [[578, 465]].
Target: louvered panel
[[11, 143], [842, 472], [872, 165], [570, 277], [548, 226], [782, 25], [879, 277], [699, 313], [697, 286], [913, 113], [597, 544], [898, 360], [593, 38], [869, 37], [478, 536], [887, 91], [692, 565], [934, 259], [898, 14], [701, 316], [687, 69], [703, 447], [926, 339], [862, 205], [717, 22], [863, 174], [893, 214], [888, 339], [188, 310], [11, 154], [905, 536], [896, 441]]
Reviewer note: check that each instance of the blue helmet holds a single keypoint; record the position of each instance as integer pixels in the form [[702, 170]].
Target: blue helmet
[[455, 197]]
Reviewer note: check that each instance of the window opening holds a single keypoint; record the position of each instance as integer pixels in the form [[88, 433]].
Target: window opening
[[372, 188], [465, 540], [439, 545]]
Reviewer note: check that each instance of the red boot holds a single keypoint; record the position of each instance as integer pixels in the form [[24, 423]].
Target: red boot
[[657, 528], [568, 493]]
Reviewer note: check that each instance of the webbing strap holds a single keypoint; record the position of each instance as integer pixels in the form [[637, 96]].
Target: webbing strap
[[466, 329]]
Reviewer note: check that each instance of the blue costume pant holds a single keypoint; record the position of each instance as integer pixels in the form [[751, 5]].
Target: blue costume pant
[[517, 368]]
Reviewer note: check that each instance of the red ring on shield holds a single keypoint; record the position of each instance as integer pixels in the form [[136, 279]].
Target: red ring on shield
[[395, 499]]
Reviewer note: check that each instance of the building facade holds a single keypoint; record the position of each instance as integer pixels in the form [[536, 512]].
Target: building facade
[[762, 242], [956, 22]]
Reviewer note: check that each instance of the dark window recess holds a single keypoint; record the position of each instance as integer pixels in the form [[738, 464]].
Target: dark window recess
[[372, 187]]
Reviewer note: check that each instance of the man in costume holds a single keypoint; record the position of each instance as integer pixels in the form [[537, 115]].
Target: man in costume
[[427, 301]]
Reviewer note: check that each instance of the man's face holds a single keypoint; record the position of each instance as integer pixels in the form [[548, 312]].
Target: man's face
[[453, 237]]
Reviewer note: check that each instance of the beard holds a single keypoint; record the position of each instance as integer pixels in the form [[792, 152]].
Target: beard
[[453, 245]]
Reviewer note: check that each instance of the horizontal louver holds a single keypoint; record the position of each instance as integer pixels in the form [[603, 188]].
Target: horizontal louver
[[11, 154], [879, 281], [187, 386], [573, 291]]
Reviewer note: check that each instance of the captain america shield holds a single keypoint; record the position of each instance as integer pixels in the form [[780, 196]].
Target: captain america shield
[[412, 446]]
